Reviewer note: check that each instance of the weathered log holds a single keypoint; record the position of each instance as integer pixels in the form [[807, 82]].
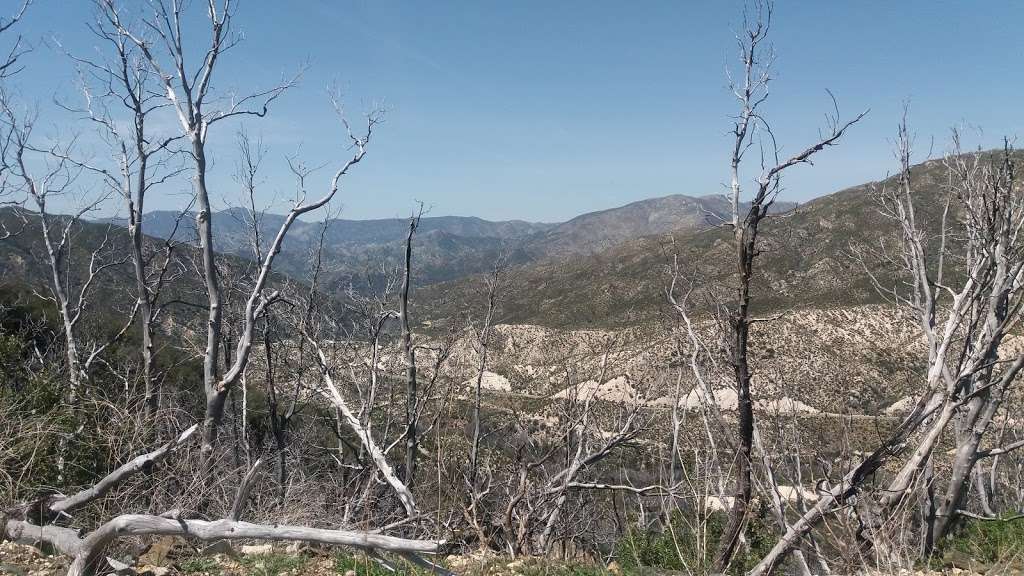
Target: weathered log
[[92, 546], [65, 540]]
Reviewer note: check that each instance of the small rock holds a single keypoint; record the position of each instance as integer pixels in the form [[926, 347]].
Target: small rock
[[350, 573], [615, 569], [217, 548], [257, 550]]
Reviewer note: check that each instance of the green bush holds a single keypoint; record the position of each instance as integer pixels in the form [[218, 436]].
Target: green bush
[[679, 546], [986, 541], [675, 548]]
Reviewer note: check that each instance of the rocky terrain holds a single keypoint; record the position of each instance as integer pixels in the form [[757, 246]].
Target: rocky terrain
[[802, 359]]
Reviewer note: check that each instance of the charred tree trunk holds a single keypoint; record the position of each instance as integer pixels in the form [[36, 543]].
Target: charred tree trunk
[[740, 323], [412, 397]]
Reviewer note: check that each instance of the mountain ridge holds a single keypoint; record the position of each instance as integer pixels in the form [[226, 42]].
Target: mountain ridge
[[446, 247], [609, 281], [806, 261]]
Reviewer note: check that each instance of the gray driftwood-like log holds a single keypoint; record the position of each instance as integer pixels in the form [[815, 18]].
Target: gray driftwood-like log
[[87, 549], [93, 545]]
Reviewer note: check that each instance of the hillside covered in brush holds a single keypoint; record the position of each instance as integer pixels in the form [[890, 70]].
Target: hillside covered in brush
[[814, 255]]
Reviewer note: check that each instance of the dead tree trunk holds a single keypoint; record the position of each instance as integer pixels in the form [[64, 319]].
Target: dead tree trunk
[[122, 81], [188, 94], [483, 343], [411, 394], [746, 238], [751, 90], [377, 455]]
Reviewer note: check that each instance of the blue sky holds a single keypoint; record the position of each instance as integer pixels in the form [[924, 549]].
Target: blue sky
[[545, 110]]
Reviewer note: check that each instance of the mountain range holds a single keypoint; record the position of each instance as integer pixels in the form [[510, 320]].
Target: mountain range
[[357, 253], [600, 269], [810, 258]]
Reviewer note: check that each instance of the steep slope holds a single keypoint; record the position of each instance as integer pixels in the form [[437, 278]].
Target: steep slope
[[25, 273]]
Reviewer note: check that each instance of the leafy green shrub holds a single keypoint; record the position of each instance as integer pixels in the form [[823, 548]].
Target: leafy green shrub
[[986, 541], [761, 537], [675, 548]]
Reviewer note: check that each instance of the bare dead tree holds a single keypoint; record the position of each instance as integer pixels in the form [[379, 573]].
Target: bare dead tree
[[749, 128], [154, 48], [965, 326], [87, 550], [964, 316], [161, 41], [587, 442], [372, 311], [411, 400], [56, 178], [357, 420], [259, 299], [9, 63], [118, 100], [8, 68], [483, 342], [333, 393]]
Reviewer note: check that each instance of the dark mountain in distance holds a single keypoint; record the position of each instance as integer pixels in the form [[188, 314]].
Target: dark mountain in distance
[[358, 252], [234, 224]]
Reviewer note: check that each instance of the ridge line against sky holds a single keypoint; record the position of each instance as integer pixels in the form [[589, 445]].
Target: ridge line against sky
[[543, 111]]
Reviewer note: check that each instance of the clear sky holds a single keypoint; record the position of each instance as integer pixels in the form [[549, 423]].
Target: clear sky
[[543, 110]]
